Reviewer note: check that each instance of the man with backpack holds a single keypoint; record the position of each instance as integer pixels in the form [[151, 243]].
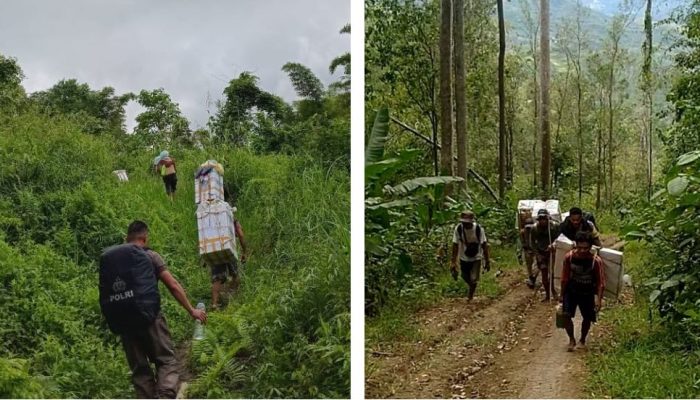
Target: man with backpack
[[165, 165], [528, 251], [542, 236], [130, 302], [578, 221], [469, 241], [582, 278]]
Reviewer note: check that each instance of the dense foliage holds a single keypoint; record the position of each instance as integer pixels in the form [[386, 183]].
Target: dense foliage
[[286, 333]]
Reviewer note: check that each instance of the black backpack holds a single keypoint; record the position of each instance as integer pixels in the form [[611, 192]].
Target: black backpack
[[590, 218], [129, 297], [471, 249]]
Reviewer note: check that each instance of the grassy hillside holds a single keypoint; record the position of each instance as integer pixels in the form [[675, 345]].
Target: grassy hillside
[[287, 333]]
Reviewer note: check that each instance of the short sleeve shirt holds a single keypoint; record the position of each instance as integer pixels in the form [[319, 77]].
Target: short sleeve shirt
[[471, 237], [541, 238], [158, 264]]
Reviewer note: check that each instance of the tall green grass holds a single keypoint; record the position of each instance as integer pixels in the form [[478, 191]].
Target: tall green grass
[[642, 358], [285, 334]]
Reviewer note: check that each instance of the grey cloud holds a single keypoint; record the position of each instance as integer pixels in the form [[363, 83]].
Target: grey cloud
[[190, 48]]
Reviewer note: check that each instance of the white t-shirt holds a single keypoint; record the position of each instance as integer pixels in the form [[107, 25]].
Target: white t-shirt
[[471, 238]]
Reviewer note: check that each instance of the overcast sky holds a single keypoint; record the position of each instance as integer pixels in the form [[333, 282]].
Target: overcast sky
[[191, 48]]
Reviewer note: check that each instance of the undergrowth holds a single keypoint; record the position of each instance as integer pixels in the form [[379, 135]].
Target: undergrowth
[[287, 332], [642, 358]]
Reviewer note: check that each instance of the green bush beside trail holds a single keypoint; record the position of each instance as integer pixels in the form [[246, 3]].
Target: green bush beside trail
[[285, 334]]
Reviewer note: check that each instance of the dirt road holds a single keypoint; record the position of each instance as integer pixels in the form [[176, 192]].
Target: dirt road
[[504, 348]]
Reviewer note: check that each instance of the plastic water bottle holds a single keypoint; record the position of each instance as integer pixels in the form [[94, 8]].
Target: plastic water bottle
[[627, 279], [198, 327]]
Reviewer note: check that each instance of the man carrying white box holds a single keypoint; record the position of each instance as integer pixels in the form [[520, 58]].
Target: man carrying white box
[[542, 236], [582, 278], [221, 272]]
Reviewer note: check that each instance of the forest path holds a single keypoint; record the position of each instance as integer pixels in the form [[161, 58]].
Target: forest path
[[506, 347]]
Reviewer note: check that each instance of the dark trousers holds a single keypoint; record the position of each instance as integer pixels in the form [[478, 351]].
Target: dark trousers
[[152, 345]]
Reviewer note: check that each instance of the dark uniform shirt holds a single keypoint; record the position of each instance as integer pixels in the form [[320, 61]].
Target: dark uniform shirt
[[541, 237], [569, 230]]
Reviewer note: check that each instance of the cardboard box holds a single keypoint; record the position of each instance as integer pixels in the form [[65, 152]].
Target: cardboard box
[[217, 234], [529, 208], [209, 187], [563, 245], [612, 263]]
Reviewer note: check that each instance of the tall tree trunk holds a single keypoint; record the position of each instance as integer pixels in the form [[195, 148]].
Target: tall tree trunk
[[434, 127], [532, 29], [501, 103], [599, 175], [544, 95], [611, 115], [579, 96], [460, 92], [579, 126], [510, 121], [535, 130], [649, 86], [446, 88]]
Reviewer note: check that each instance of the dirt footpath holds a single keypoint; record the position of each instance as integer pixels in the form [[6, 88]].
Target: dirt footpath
[[504, 348]]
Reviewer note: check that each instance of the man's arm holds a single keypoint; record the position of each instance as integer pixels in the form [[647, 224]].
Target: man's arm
[[565, 276], [455, 249], [241, 240], [487, 256], [601, 281], [453, 260], [179, 294]]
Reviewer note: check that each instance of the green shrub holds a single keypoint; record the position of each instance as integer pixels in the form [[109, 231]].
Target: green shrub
[[287, 332]]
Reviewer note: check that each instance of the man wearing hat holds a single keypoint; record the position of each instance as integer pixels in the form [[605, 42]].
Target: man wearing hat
[[542, 237], [469, 241], [527, 251]]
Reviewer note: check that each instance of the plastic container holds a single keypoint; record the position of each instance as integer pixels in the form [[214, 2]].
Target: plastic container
[[121, 175], [560, 316], [198, 327]]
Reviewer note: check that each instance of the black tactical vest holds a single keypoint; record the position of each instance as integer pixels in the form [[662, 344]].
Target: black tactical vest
[[582, 278], [129, 297]]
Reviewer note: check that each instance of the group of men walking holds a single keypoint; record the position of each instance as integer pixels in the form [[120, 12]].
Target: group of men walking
[[130, 299], [582, 274]]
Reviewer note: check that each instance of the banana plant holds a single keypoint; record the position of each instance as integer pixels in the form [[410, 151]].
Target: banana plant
[[395, 214], [378, 169]]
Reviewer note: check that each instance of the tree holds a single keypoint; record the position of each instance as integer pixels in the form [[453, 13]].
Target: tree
[[501, 102], [12, 93], [684, 135], [98, 111], [446, 87], [306, 84], [615, 54], [532, 29], [161, 123], [234, 118], [544, 96], [460, 94], [648, 88], [401, 59], [343, 85], [575, 56]]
